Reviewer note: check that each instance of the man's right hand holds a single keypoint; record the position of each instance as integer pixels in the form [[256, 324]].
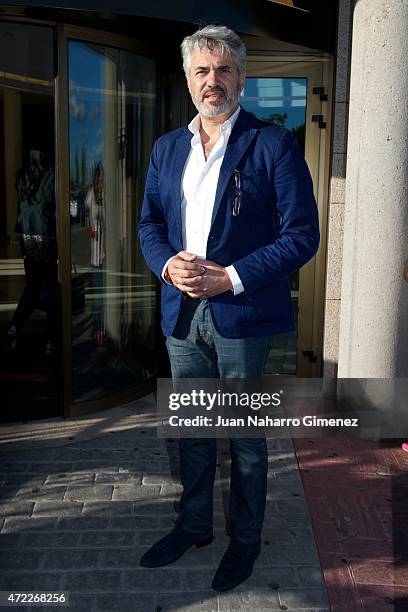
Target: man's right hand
[[185, 271]]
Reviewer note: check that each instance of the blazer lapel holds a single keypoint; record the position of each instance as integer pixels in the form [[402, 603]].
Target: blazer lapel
[[181, 151], [241, 137]]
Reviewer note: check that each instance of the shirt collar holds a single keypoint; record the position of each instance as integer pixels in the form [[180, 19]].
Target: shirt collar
[[194, 125]]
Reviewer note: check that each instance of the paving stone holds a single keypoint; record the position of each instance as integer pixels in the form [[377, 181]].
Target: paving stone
[[288, 535], [45, 468], [290, 480], [89, 493], [285, 478], [159, 479], [105, 441], [135, 522], [365, 549], [107, 538], [135, 492], [92, 581], [3, 478], [295, 505], [292, 555], [49, 540], [171, 490], [125, 558], [71, 558], [146, 466], [282, 462], [111, 508], [249, 601], [12, 467], [9, 540], [269, 579], [110, 477], [277, 536], [146, 580], [70, 478], [20, 559], [65, 508], [197, 601], [310, 576], [54, 454], [28, 523], [302, 536], [57, 455], [16, 508], [284, 493], [78, 602], [97, 467], [383, 598], [273, 444], [36, 493], [303, 598], [148, 432], [296, 520], [140, 602], [82, 523], [31, 581], [105, 454], [24, 479], [103, 465], [197, 579], [130, 468], [157, 507]]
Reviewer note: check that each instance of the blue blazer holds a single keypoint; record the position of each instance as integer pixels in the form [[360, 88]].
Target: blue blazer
[[274, 234]]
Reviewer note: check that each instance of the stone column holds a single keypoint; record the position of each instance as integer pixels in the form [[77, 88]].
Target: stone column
[[374, 308], [337, 196]]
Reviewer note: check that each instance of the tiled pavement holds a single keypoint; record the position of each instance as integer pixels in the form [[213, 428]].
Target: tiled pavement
[[357, 491], [81, 500], [77, 517]]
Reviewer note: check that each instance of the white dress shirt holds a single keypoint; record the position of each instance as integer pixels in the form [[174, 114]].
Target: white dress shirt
[[198, 188]]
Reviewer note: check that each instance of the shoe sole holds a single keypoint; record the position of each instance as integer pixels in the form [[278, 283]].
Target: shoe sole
[[230, 587]]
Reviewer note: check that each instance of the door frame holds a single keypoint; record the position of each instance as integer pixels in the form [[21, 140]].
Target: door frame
[[317, 69], [67, 33]]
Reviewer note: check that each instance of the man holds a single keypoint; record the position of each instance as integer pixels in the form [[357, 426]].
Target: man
[[228, 214]]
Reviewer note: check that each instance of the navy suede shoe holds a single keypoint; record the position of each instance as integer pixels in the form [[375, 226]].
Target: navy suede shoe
[[236, 565], [173, 546]]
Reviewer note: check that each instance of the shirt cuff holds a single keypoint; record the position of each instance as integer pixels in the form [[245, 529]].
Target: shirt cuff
[[165, 268], [237, 286]]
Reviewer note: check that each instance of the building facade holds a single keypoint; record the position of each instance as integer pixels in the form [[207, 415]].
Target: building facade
[[83, 95]]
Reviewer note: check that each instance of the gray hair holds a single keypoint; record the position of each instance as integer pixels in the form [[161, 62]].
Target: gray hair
[[214, 37]]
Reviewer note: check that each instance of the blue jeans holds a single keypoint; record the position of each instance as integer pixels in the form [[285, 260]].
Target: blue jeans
[[196, 350]]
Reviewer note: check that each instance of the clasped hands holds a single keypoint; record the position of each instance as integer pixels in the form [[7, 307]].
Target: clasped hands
[[199, 278]]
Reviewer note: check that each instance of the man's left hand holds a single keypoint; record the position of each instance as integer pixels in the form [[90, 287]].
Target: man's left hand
[[215, 280]]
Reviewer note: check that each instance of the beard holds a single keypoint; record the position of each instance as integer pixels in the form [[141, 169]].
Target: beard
[[215, 109]]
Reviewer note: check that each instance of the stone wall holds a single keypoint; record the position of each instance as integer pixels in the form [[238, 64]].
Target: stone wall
[[337, 190]]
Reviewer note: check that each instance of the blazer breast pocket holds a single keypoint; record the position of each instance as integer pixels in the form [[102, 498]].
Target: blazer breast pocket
[[254, 181]]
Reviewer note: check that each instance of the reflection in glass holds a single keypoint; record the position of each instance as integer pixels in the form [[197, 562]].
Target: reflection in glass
[[281, 101], [29, 314], [111, 130]]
